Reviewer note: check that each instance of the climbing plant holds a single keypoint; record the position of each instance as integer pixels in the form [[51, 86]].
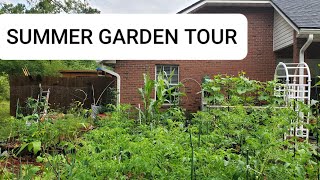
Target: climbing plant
[[236, 90]]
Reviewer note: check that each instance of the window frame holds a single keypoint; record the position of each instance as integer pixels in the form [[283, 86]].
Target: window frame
[[174, 84]]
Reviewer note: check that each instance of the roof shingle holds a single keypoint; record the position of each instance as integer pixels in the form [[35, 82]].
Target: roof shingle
[[303, 13]]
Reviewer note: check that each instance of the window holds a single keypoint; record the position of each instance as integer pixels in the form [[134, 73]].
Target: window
[[170, 73]]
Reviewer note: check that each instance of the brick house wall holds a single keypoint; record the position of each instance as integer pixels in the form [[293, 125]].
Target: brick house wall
[[259, 63]]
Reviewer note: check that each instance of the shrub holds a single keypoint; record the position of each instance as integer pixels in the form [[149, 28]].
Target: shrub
[[4, 87]]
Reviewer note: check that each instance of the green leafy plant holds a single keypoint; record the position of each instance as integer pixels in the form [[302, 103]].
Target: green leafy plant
[[146, 96], [240, 90], [165, 93], [35, 107], [241, 142], [34, 147], [76, 109], [4, 87]]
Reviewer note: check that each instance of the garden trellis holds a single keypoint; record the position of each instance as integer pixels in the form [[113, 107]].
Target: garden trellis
[[294, 85], [291, 88]]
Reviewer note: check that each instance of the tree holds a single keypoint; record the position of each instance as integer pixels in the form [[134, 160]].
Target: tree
[[44, 68], [49, 68], [49, 7]]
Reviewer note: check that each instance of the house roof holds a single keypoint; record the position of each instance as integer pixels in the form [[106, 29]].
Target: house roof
[[193, 5], [303, 13], [78, 71], [189, 5]]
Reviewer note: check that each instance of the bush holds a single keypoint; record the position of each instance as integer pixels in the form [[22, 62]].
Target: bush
[[4, 110], [4, 87]]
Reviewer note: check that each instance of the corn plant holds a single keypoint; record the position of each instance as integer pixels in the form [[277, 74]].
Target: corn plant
[[165, 93]]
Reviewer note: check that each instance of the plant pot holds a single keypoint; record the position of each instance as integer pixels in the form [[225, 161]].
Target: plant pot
[[95, 110]]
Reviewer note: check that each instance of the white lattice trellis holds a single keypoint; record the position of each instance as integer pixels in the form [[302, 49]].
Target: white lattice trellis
[[294, 85]]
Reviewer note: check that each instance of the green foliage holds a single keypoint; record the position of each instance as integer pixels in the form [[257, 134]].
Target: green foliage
[[76, 109], [135, 152], [230, 90], [4, 87], [216, 144], [43, 136], [48, 7], [35, 108], [29, 171], [34, 147], [146, 95], [26, 171], [44, 68], [165, 94], [221, 143], [4, 110]]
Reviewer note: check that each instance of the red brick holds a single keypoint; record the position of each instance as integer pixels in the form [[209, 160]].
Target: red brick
[[259, 63]]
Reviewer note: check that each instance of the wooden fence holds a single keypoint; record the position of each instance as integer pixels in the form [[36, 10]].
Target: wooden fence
[[63, 90]]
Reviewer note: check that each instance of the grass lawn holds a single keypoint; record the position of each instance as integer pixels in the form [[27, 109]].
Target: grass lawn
[[4, 110]]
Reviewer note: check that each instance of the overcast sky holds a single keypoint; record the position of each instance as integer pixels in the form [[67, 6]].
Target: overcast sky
[[133, 6]]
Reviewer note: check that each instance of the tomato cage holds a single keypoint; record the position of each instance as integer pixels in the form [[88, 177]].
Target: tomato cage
[[294, 85]]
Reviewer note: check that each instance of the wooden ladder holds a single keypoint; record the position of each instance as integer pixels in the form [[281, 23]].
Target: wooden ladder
[[44, 98]]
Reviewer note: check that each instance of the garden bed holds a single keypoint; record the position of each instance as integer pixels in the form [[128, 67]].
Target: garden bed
[[239, 142]]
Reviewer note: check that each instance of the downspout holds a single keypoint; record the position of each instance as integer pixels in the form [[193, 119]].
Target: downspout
[[118, 82], [301, 79], [304, 48], [301, 61]]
